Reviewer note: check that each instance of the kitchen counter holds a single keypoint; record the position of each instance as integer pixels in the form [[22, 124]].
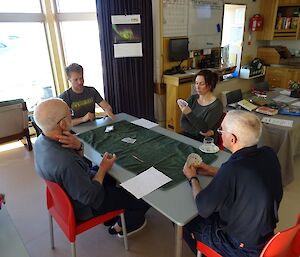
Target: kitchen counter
[[294, 65], [293, 62]]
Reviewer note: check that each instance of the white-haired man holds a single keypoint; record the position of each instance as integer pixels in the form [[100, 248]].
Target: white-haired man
[[58, 158], [238, 209]]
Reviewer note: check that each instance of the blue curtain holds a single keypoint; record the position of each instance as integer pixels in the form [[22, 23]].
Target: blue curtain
[[128, 82]]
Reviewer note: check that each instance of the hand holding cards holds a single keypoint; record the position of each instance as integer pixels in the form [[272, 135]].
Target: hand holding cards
[[194, 160], [182, 103]]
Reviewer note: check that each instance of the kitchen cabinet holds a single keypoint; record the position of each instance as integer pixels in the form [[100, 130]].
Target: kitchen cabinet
[[280, 76], [281, 20], [177, 86]]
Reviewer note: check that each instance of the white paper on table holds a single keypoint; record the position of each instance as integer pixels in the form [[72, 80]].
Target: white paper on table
[[144, 123], [145, 182], [285, 92], [279, 122], [284, 99], [296, 104]]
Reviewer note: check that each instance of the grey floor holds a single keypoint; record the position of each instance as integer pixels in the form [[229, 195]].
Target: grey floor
[[26, 207]]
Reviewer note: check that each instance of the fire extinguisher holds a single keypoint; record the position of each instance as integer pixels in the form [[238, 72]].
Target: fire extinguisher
[[256, 23]]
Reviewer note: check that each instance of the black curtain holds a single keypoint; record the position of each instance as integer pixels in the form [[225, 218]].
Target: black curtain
[[128, 82]]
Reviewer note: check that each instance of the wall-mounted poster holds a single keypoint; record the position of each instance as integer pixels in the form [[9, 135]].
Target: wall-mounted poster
[[127, 37]]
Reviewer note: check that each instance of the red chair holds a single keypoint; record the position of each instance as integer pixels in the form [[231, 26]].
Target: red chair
[[61, 209], [283, 244], [206, 250], [220, 141]]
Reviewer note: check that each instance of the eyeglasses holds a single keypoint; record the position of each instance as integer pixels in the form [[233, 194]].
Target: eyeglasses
[[61, 119], [71, 112], [220, 131]]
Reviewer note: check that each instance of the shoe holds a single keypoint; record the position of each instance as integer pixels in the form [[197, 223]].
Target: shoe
[[111, 222], [129, 233], [112, 231]]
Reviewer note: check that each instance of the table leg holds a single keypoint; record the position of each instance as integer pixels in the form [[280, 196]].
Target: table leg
[[178, 240]]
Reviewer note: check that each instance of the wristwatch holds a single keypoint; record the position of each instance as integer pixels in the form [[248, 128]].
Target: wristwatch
[[81, 147], [190, 180]]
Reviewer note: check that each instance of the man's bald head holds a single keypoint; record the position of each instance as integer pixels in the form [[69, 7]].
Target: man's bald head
[[49, 112]]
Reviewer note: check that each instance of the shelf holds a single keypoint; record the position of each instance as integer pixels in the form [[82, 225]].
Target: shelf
[[285, 30]]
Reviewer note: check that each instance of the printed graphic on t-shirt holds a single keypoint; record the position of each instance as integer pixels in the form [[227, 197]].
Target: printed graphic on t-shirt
[[82, 103]]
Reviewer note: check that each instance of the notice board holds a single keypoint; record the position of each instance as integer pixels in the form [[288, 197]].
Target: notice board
[[199, 20]]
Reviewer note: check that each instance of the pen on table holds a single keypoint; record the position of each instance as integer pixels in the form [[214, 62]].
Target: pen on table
[[137, 158]]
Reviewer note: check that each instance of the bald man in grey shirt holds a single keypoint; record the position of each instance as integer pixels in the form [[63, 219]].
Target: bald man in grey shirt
[[58, 158]]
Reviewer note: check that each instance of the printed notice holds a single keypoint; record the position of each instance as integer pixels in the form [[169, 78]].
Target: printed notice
[[279, 122]]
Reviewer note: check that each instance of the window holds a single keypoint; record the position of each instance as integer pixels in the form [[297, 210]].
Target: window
[[20, 6], [80, 38], [233, 33], [24, 63], [27, 71]]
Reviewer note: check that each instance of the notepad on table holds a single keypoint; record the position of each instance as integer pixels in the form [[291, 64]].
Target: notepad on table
[[247, 105], [267, 110]]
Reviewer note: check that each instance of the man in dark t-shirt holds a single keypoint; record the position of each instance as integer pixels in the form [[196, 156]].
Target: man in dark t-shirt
[[82, 99], [238, 210]]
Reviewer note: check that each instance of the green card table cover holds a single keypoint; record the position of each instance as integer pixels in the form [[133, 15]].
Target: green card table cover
[[150, 149]]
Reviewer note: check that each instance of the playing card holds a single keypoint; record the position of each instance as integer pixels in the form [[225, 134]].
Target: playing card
[[109, 128], [182, 102], [193, 159], [128, 140]]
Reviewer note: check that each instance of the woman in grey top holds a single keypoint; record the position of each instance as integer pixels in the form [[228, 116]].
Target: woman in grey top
[[202, 114]]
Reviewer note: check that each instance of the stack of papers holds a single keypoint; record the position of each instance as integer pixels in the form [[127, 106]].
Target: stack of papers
[[297, 104], [145, 182], [285, 92], [144, 123], [284, 99]]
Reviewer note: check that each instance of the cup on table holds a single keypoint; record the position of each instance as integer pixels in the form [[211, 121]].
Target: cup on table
[[208, 143]]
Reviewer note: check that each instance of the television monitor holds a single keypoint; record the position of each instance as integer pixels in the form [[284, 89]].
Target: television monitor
[[178, 49]]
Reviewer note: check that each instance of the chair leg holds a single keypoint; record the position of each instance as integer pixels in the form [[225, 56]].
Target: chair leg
[[51, 231], [124, 231], [28, 143], [73, 249]]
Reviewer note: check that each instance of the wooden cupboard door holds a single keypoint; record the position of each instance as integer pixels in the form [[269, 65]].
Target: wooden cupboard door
[[268, 9], [276, 77], [173, 113], [293, 74]]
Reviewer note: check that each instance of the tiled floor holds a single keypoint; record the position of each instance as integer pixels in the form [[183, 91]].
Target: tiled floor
[[26, 206]]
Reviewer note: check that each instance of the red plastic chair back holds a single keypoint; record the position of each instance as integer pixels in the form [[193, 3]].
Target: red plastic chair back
[[284, 244], [61, 209], [220, 141], [206, 250]]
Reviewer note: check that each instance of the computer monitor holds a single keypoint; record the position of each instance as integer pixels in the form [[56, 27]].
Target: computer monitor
[[178, 49]]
